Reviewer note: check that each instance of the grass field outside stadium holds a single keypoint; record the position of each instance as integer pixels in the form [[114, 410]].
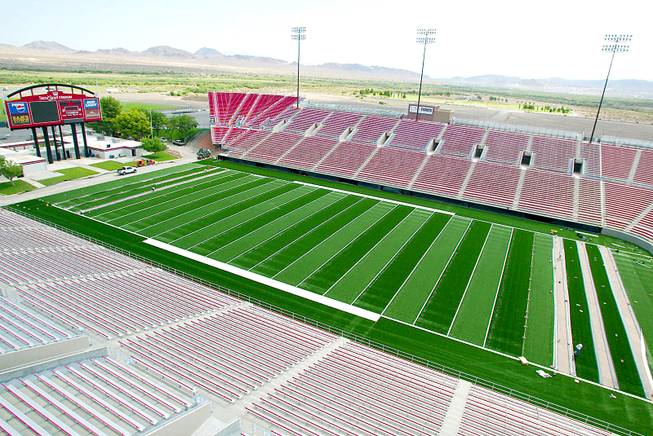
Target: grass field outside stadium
[[432, 275]]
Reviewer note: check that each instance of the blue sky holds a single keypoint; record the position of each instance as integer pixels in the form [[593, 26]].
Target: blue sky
[[521, 38]]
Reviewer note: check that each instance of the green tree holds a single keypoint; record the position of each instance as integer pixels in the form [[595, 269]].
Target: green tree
[[153, 145], [159, 122], [10, 169], [131, 124], [182, 126], [111, 108]]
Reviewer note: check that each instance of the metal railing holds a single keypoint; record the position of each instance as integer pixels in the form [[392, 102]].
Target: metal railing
[[475, 380]]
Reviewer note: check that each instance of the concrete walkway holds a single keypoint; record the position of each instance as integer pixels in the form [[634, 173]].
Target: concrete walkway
[[634, 332], [563, 354], [607, 375]]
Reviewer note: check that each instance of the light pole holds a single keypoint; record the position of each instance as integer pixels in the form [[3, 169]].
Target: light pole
[[425, 37], [298, 34], [613, 44]]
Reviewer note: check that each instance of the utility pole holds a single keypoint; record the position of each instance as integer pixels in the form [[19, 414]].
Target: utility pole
[[425, 37], [613, 44], [298, 34]]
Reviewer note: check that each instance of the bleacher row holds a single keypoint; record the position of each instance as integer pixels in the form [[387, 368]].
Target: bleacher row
[[182, 346], [458, 161]]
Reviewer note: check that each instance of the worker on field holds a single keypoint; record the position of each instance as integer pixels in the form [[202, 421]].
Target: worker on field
[[578, 349]]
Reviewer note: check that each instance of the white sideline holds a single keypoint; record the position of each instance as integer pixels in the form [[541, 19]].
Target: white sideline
[[387, 200], [267, 281]]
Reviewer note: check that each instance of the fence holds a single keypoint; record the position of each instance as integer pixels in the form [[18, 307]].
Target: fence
[[352, 336]]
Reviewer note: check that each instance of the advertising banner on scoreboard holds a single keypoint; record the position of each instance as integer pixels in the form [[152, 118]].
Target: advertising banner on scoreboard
[[92, 109], [18, 113], [71, 111]]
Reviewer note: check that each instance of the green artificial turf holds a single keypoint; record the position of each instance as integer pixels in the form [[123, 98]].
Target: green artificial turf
[[17, 187], [631, 413], [67, 174], [538, 345], [473, 318], [508, 323], [622, 354], [440, 310], [415, 292], [581, 328]]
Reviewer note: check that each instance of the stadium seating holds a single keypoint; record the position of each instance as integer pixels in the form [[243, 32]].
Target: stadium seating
[[442, 175], [591, 156], [372, 127], [308, 152], [228, 109], [589, 202], [305, 119], [553, 154], [23, 328], [346, 158], [228, 354], [557, 200], [335, 125], [392, 166], [415, 135], [139, 300], [616, 161], [273, 147], [493, 184], [97, 396], [505, 147], [460, 140], [644, 172], [624, 203]]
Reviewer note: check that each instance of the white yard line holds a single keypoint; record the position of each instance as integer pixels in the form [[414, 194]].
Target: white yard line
[[416, 265], [469, 280], [496, 294], [205, 206], [633, 330], [278, 231], [607, 375], [239, 223], [435, 286], [563, 356], [222, 174], [394, 256], [305, 234], [348, 308], [341, 249], [414, 206], [366, 254]]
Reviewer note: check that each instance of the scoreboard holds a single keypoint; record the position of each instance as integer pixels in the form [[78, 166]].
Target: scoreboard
[[51, 109]]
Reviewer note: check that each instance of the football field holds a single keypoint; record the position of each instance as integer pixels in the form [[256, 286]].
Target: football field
[[485, 284]]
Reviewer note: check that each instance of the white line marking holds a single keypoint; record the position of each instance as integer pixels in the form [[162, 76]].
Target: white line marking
[[267, 281], [453, 254], [414, 206]]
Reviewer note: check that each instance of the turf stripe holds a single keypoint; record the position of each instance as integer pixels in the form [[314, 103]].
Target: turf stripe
[[581, 328], [538, 346], [296, 272], [379, 293], [248, 221], [263, 251], [411, 297], [126, 208], [364, 272], [299, 247], [337, 267], [260, 236], [441, 308], [220, 212], [160, 221], [470, 324], [509, 318], [622, 354]]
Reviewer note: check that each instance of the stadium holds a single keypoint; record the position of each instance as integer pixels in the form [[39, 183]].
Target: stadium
[[332, 269]]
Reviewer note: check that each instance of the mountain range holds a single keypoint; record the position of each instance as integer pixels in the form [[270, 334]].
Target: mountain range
[[167, 58]]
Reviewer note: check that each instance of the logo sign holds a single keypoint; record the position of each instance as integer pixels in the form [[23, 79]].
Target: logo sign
[[71, 110], [18, 113], [92, 108], [427, 110]]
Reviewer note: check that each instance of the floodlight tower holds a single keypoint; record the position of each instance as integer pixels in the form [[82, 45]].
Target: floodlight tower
[[298, 34], [614, 43], [425, 36]]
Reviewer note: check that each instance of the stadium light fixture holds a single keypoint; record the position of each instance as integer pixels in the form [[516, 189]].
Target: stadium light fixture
[[612, 43], [298, 34], [425, 36]]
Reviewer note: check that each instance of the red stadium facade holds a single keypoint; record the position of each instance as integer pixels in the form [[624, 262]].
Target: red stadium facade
[[49, 106]]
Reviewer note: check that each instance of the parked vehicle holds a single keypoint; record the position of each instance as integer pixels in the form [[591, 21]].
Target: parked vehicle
[[126, 170], [203, 153], [179, 142]]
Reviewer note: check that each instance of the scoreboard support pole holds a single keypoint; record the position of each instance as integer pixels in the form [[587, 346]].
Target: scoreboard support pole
[[86, 153], [63, 144], [54, 140], [73, 130], [48, 150], [36, 142]]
